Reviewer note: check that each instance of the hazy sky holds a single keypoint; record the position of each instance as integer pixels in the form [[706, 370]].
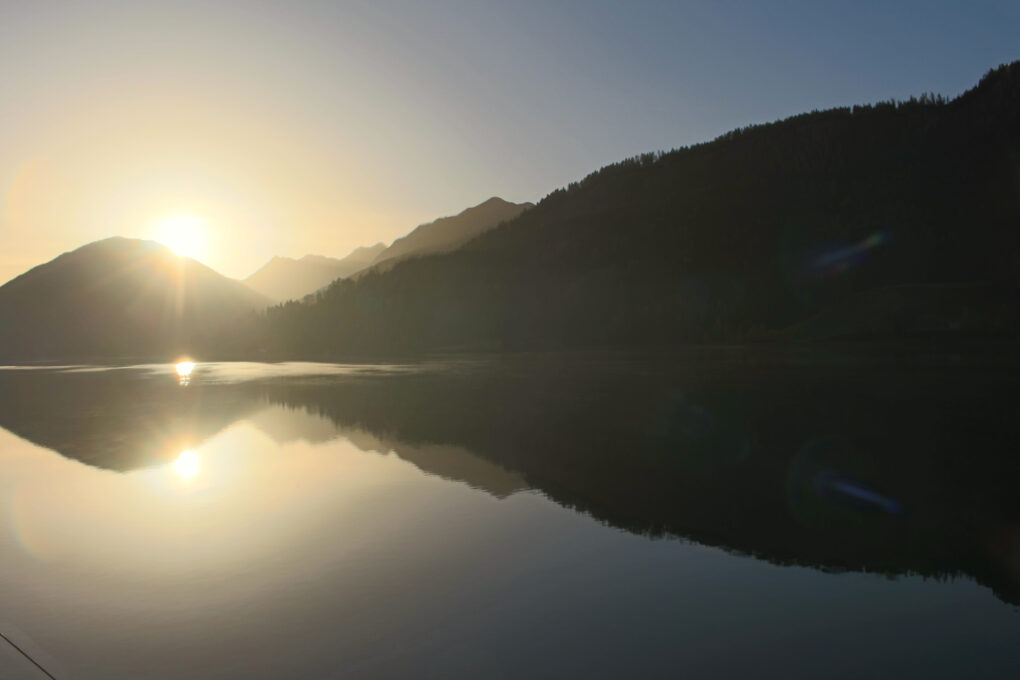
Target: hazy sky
[[315, 127]]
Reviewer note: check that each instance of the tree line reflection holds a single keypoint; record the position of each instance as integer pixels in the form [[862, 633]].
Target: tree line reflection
[[840, 466]]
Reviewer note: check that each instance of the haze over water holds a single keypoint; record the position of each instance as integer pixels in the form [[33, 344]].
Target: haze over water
[[532, 516]]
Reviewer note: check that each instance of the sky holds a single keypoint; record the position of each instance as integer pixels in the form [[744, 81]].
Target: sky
[[242, 130]]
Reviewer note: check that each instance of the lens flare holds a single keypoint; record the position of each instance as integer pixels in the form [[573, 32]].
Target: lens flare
[[841, 259]]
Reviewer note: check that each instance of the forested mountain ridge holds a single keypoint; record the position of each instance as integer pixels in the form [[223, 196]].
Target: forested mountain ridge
[[736, 238], [447, 233], [125, 298]]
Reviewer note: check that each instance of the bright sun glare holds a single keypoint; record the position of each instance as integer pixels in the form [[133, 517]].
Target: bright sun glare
[[184, 369], [187, 464], [184, 234]]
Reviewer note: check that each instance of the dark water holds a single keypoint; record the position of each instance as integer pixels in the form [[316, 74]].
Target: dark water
[[716, 514]]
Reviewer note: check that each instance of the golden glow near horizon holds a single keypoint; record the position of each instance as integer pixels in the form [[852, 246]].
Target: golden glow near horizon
[[183, 234], [184, 110], [187, 464], [118, 119]]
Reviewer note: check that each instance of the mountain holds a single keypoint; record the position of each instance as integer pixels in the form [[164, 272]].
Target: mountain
[[122, 298], [447, 233], [730, 240], [975, 310], [284, 278]]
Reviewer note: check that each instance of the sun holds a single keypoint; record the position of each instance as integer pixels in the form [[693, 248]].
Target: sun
[[187, 464], [183, 234]]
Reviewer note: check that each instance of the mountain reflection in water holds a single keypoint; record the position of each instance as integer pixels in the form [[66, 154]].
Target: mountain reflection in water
[[840, 466]]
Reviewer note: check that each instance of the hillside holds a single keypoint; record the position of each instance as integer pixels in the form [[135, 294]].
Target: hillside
[[121, 298], [284, 278], [737, 238], [447, 233]]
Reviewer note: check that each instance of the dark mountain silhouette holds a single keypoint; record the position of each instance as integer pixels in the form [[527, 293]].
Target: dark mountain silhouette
[[731, 240], [284, 278], [122, 298], [977, 310], [447, 233]]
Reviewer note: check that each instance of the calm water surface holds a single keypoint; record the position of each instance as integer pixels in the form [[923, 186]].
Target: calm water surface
[[523, 517]]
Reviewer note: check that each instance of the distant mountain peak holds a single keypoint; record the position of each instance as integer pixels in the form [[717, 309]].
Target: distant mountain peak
[[124, 243], [286, 278], [368, 251], [449, 233], [311, 257], [119, 297]]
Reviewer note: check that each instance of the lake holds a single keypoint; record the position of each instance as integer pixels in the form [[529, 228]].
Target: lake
[[703, 514]]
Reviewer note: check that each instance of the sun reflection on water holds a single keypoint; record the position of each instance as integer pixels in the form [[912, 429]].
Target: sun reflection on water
[[184, 369]]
